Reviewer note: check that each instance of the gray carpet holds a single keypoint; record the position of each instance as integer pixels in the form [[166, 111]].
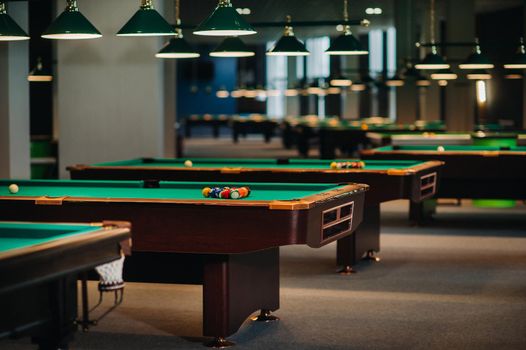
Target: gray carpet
[[459, 283]]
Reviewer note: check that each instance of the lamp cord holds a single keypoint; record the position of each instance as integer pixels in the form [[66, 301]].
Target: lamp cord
[[432, 19], [177, 12], [146, 4]]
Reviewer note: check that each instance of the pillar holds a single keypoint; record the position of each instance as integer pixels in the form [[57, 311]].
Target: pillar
[[292, 103], [14, 101], [460, 93], [524, 80], [114, 99], [350, 99], [407, 95]]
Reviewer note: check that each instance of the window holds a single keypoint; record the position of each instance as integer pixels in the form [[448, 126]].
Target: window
[[276, 80]]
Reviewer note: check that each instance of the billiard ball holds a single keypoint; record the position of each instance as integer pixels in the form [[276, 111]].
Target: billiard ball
[[334, 165], [206, 191], [13, 188], [188, 163], [440, 148]]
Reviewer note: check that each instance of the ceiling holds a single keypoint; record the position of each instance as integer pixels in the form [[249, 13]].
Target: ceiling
[[193, 12]]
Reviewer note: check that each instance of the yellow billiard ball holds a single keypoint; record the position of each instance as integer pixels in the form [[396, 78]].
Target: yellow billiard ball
[[188, 163], [440, 148], [13, 188]]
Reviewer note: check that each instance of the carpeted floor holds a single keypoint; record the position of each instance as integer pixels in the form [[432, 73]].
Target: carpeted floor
[[458, 283]]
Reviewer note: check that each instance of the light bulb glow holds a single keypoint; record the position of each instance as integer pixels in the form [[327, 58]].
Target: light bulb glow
[[481, 91]]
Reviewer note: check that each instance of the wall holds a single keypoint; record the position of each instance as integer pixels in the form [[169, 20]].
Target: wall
[[14, 102], [110, 92], [205, 101]]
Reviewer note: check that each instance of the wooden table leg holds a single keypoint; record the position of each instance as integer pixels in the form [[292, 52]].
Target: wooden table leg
[[235, 286], [364, 242]]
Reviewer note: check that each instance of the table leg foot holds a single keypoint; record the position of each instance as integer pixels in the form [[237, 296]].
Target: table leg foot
[[265, 316], [220, 343], [346, 270], [371, 257]]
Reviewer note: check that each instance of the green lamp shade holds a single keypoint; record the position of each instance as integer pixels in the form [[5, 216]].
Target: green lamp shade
[[177, 48], [346, 44], [359, 86], [444, 74], [340, 81], [518, 62], [411, 71], [432, 61], [478, 75], [367, 79], [395, 81], [288, 46], [476, 61], [39, 74], [146, 22], [9, 30], [224, 21], [291, 92], [422, 81], [232, 47], [71, 25], [514, 74]]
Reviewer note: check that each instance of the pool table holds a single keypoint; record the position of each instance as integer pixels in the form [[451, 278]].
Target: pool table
[[479, 138], [213, 121], [231, 247], [39, 264], [389, 180], [348, 135], [476, 172], [242, 125]]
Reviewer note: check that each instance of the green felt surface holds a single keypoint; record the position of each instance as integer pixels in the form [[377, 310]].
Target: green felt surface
[[343, 124], [495, 142], [21, 235], [494, 203], [303, 164], [457, 148], [209, 117], [492, 139], [167, 190]]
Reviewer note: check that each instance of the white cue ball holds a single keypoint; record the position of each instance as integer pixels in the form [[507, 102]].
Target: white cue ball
[[440, 148], [13, 188], [188, 163]]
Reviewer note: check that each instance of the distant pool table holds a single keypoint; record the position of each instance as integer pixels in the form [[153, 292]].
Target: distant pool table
[[39, 264], [479, 138], [229, 246], [213, 121], [348, 135], [242, 125], [389, 180], [476, 172]]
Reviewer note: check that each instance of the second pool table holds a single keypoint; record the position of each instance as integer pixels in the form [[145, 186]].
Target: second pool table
[[388, 180], [39, 266], [475, 172], [478, 138], [231, 247]]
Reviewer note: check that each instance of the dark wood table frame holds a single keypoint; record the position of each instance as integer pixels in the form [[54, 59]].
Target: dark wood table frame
[[474, 175], [38, 284], [235, 243], [415, 183]]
